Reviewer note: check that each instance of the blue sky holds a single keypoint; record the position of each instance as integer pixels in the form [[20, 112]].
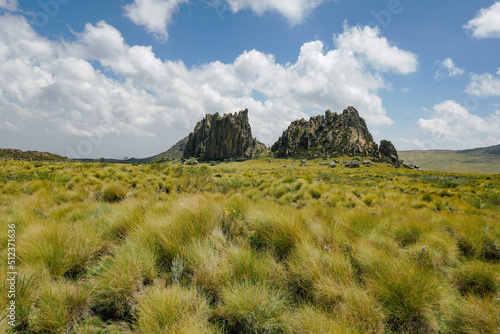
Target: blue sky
[[132, 77]]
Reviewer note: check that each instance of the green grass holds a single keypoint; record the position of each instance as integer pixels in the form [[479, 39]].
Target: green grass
[[250, 247], [451, 161]]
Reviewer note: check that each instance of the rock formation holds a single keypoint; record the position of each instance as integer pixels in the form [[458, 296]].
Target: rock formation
[[333, 135], [222, 137], [388, 152], [344, 134]]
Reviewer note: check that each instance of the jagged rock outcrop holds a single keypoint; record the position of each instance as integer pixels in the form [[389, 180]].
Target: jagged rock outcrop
[[388, 153], [222, 137], [344, 134], [333, 135]]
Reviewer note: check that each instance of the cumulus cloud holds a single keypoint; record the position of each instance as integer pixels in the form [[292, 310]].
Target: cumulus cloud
[[367, 43], [59, 85], [452, 123], [447, 68], [484, 84], [11, 5], [293, 10], [486, 23], [154, 15]]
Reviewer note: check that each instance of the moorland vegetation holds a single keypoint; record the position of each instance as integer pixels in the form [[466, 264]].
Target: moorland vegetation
[[250, 247]]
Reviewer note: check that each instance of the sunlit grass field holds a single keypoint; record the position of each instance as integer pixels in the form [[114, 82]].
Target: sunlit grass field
[[250, 247]]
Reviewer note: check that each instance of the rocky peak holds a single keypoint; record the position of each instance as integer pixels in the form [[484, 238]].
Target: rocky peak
[[222, 137], [331, 134]]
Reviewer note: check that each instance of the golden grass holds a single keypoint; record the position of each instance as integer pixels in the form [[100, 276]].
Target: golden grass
[[250, 247]]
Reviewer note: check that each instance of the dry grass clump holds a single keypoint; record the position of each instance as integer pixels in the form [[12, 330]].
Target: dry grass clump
[[65, 250], [477, 278], [252, 307], [59, 306], [471, 314], [112, 193], [273, 229], [411, 296], [173, 309], [117, 280]]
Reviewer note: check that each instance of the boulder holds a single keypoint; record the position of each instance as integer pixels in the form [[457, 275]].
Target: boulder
[[332, 164], [353, 164]]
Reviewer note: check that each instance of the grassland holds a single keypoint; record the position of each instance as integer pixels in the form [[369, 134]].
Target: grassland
[[473, 161], [250, 247]]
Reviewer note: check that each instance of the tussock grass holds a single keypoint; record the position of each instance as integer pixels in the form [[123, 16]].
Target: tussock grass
[[250, 247], [272, 229], [251, 308], [112, 193], [410, 295], [471, 314], [173, 309], [118, 279], [60, 305], [477, 278], [65, 250]]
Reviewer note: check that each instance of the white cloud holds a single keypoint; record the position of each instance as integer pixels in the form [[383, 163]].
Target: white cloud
[[484, 84], [452, 124], [154, 15], [11, 5], [486, 23], [447, 68], [137, 94], [366, 42], [293, 10]]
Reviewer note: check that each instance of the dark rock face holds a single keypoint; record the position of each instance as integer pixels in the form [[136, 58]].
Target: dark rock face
[[222, 137], [388, 152], [332, 134]]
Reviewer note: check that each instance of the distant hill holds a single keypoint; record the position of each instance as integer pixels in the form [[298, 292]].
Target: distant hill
[[14, 154], [484, 160], [494, 150], [175, 152]]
